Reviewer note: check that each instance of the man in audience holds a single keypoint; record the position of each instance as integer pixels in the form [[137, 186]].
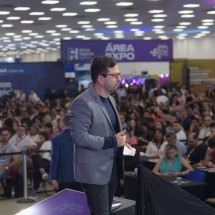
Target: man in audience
[[210, 155], [20, 139], [35, 113], [196, 151], [179, 131], [205, 132], [188, 120], [7, 162], [172, 140]]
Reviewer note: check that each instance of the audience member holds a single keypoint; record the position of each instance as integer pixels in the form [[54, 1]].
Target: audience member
[[33, 97], [188, 119], [194, 126], [48, 127], [121, 93], [204, 133], [20, 95], [179, 131], [41, 164], [7, 162], [172, 140], [212, 133], [123, 121], [210, 155], [34, 113], [156, 147], [34, 134], [196, 151], [20, 139], [132, 128], [172, 164]]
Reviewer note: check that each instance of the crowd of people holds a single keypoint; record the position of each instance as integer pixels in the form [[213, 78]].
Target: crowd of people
[[166, 122]]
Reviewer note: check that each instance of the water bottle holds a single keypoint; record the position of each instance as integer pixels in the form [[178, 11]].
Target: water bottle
[[12, 192], [179, 180]]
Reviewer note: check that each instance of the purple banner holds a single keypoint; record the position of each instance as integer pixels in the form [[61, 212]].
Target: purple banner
[[82, 51]]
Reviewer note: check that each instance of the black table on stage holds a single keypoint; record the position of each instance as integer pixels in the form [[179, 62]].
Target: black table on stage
[[192, 187], [148, 162]]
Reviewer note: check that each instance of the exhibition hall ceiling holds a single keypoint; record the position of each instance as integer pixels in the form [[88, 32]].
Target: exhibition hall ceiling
[[35, 26]]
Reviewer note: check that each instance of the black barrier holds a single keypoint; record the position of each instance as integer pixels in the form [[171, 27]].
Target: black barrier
[[24, 155]]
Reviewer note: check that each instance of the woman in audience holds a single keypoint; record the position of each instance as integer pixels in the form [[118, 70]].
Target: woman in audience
[[160, 125], [172, 164], [14, 128], [132, 128], [156, 147]]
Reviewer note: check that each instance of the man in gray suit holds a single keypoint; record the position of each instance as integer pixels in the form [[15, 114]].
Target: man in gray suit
[[98, 138]]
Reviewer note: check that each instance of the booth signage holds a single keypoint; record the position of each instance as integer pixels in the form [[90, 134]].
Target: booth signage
[[37, 76], [82, 51]]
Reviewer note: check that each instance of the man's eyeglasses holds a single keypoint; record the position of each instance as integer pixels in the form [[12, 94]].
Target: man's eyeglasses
[[114, 75]]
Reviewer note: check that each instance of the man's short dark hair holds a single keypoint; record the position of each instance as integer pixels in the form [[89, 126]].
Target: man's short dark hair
[[4, 129], [99, 66], [170, 134], [66, 120], [44, 134]]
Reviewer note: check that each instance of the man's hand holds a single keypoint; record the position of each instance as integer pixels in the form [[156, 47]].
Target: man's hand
[[121, 138], [55, 184]]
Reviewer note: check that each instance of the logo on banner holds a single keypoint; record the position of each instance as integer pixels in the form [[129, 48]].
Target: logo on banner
[[120, 51], [160, 52], [73, 53]]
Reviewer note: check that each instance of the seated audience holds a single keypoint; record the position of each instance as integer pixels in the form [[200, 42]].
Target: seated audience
[[172, 164]]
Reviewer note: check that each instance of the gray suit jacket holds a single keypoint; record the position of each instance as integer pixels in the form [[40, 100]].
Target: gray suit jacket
[[90, 124]]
